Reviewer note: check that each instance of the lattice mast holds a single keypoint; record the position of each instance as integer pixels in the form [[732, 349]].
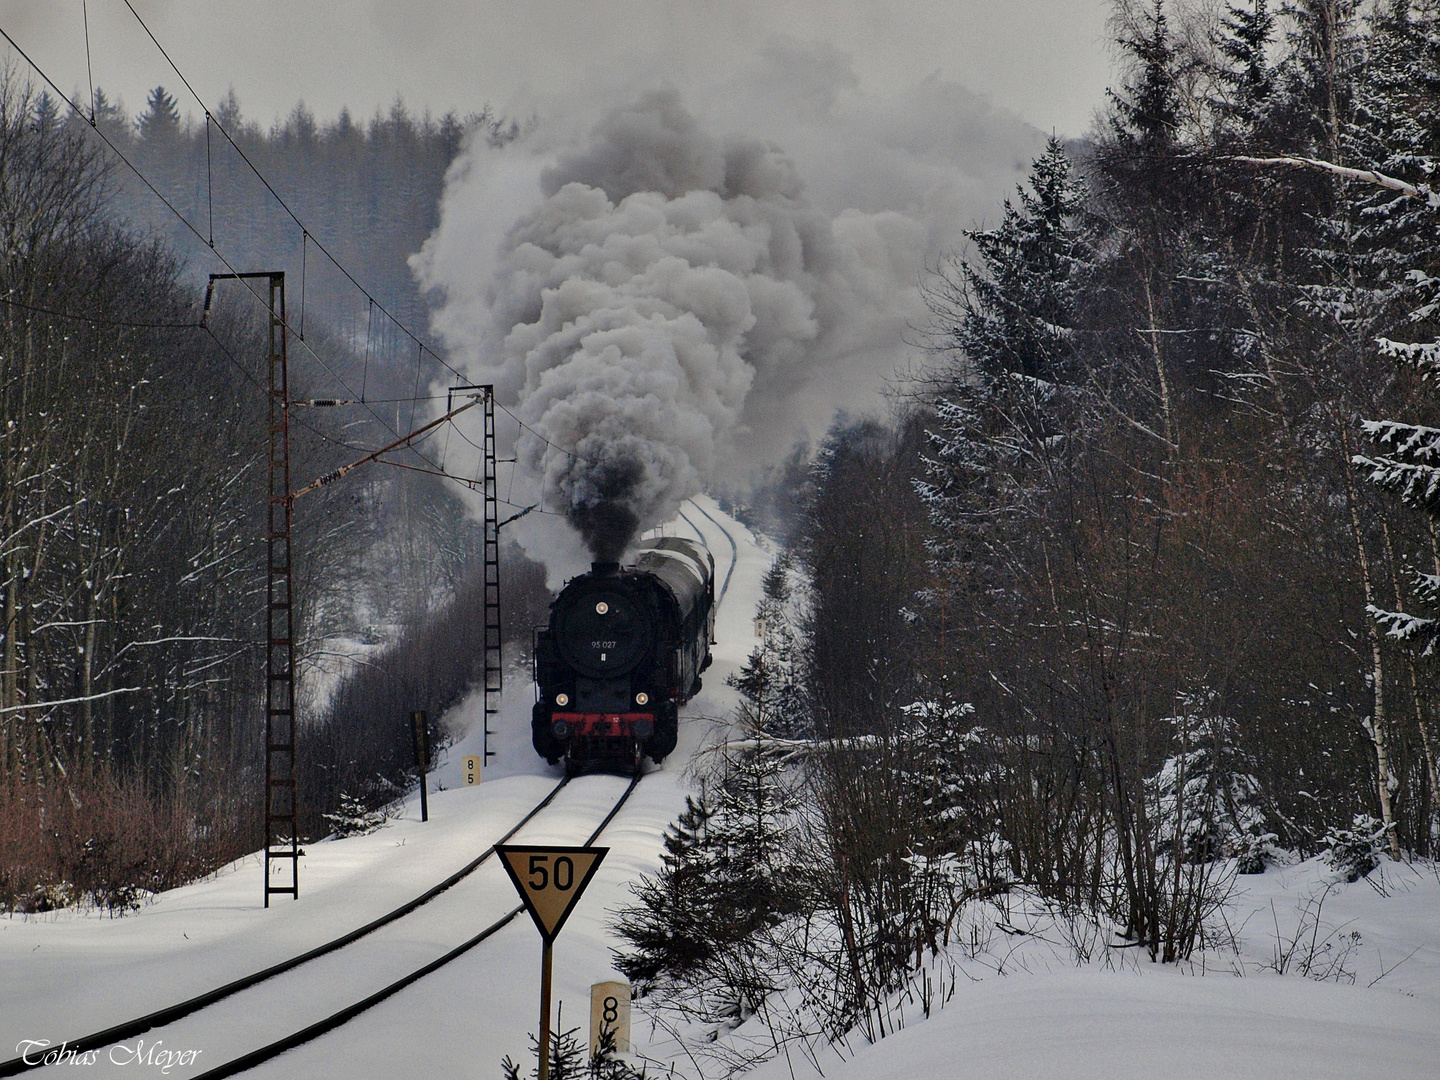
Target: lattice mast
[[494, 660], [282, 837]]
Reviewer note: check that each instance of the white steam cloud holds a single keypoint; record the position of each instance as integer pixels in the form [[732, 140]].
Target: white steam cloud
[[663, 307]]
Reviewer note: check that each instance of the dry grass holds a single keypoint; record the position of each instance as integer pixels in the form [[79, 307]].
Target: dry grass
[[101, 840]]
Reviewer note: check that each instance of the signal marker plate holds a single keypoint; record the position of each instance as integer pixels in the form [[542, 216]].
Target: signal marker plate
[[550, 880]]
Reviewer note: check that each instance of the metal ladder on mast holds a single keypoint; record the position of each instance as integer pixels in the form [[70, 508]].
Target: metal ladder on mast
[[494, 661], [282, 839]]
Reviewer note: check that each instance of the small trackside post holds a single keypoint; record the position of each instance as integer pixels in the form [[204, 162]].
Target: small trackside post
[[421, 729]]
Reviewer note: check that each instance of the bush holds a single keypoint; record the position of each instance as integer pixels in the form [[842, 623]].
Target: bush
[[1354, 852], [1253, 852], [354, 818], [104, 840]]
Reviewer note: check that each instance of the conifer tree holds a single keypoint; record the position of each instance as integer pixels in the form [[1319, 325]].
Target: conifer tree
[[724, 879], [1009, 318], [161, 119], [671, 927], [1245, 39], [770, 677], [1147, 114]]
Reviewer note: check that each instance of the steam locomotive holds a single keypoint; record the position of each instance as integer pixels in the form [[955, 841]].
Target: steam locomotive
[[622, 652]]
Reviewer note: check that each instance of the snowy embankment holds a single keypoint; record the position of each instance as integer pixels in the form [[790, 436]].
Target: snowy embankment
[[1012, 1002], [1016, 1001], [70, 973]]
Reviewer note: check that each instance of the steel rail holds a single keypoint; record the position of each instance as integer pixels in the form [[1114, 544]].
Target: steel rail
[[130, 1028], [335, 1020], [734, 550]]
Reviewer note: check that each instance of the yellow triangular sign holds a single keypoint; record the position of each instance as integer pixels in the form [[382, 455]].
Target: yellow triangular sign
[[550, 880]]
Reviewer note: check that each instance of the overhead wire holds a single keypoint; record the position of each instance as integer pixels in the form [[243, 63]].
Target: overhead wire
[[209, 183], [120, 324], [189, 225], [420, 344], [90, 71], [97, 321], [124, 325], [372, 301], [295, 417], [283, 204], [306, 236]]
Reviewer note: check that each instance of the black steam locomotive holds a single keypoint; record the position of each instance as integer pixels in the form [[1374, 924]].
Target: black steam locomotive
[[623, 651]]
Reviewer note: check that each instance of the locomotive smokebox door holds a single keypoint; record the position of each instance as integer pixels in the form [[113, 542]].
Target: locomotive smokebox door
[[603, 635]]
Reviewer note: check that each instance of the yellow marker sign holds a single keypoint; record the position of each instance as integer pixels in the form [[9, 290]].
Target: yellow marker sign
[[470, 766], [550, 880]]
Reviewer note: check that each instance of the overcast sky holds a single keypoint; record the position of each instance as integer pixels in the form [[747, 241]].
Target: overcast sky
[[1045, 59]]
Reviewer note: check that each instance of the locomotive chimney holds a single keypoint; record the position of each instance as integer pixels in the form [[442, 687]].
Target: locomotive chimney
[[604, 569]]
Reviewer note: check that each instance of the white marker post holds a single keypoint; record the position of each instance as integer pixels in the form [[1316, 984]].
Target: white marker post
[[470, 766], [610, 1011], [549, 881]]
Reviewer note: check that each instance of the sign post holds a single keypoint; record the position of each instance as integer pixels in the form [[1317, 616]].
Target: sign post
[[549, 881], [421, 727]]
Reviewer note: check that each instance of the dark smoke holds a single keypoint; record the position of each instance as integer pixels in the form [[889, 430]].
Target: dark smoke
[[601, 512], [674, 298]]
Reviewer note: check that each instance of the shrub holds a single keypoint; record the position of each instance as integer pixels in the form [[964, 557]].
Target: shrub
[[1354, 852], [354, 818]]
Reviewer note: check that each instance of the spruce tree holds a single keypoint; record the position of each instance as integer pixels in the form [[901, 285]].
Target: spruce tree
[[1147, 108], [670, 930], [725, 880], [771, 678], [1244, 40], [1008, 318], [161, 119]]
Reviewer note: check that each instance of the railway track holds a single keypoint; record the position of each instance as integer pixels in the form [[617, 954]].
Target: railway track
[[734, 550], [153, 1021], [342, 1016], [142, 1025]]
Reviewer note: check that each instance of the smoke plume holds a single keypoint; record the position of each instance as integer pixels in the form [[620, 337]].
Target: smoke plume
[[666, 306]]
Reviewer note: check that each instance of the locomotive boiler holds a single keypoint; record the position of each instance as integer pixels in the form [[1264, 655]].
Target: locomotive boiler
[[623, 650]]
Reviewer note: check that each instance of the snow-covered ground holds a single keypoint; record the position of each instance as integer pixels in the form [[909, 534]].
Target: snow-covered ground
[[1015, 1002], [67, 974], [1020, 1004]]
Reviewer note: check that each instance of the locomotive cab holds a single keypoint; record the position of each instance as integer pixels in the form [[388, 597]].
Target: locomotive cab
[[623, 650]]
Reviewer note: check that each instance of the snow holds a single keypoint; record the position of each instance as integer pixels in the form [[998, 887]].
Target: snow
[[1110, 1025], [1021, 1005], [71, 973]]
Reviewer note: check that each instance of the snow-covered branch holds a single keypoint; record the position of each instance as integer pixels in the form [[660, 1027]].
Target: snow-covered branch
[[71, 701], [1369, 176]]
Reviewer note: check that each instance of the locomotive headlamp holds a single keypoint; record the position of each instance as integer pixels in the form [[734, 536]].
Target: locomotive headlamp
[[643, 728], [642, 698], [561, 729], [562, 699], [601, 608]]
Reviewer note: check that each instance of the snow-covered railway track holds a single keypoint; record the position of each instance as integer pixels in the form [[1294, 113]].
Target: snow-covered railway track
[[734, 551], [141, 1025], [342, 1016]]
